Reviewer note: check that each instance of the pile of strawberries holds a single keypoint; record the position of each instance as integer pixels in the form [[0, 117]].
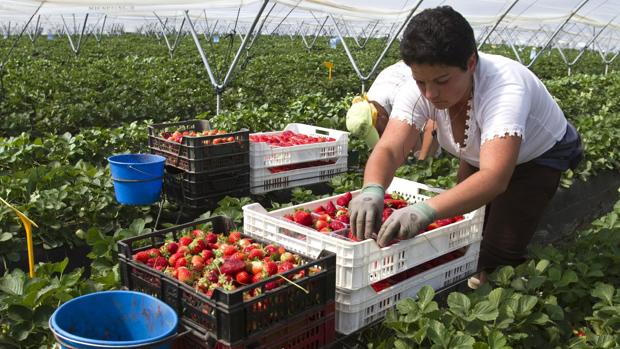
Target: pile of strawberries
[[288, 139], [419, 269], [207, 260], [177, 136], [284, 168], [335, 218]]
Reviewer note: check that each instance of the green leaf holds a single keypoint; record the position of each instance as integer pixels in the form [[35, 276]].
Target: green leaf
[[604, 291], [542, 265], [568, 278], [22, 330], [42, 315], [485, 311], [19, 312], [5, 236], [496, 340], [13, 283], [425, 297], [554, 311], [459, 303], [538, 318]]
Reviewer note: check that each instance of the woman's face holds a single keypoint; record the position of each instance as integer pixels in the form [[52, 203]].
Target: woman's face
[[443, 85]]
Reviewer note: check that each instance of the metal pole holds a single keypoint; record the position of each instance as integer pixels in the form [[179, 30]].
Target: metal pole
[[387, 47], [497, 23], [557, 32]]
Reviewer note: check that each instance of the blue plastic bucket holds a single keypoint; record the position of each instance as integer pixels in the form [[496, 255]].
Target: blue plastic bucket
[[137, 178], [114, 319]]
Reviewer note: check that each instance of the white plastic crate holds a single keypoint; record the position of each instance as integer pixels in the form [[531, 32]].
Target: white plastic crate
[[262, 180], [356, 309], [262, 155], [359, 264]]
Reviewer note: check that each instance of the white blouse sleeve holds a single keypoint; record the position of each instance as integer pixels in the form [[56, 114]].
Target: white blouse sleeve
[[409, 106], [504, 110]]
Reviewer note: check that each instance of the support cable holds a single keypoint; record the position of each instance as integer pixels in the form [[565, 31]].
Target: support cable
[[219, 87], [75, 47], [362, 77]]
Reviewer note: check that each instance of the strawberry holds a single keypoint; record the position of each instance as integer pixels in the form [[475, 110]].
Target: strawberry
[[198, 263], [395, 204], [319, 210], [245, 242], [141, 256], [257, 277], [344, 219], [238, 256], [320, 224], [228, 250], [184, 275], [256, 267], [287, 257], [197, 233], [330, 209], [256, 253], [325, 230], [207, 254], [180, 262], [173, 259], [232, 266], [285, 266], [344, 199], [386, 214], [271, 268], [197, 246], [153, 252], [211, 238], [271, 249], [243, 278], [172, 247], [303, 217], [234, 236], [289, 217], [350, 236], [336, 225], [185, 240], [160, 263]]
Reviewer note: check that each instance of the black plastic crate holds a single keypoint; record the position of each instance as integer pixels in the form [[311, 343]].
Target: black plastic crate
[[199, 147], [313, 329], [195, 185], [217, 163], [226, 316]]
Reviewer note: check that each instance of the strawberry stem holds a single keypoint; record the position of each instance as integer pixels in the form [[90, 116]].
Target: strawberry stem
[[294, 284]]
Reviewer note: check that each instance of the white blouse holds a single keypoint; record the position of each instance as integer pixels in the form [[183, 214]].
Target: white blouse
[[508, 99]]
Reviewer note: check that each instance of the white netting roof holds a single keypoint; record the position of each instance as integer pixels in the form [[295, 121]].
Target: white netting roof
[[528, 22]]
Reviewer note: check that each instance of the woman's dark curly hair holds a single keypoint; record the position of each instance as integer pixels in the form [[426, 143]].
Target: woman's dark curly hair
[[438, 36]]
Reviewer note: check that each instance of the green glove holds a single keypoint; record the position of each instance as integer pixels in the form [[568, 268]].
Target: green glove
[[406, 223], [366, 209]]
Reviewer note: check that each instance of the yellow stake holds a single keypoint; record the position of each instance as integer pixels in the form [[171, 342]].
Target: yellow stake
[[329, 65], [28, 223]]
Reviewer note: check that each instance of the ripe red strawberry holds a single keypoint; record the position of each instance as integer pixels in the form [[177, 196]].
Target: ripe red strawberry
[[180, 262], [320, 224], [173, 259], [141, 256], [386, 214], [245, 242], [325, 230], [344, 199], [257, 277], [228, 250], [197, 233], [270, 249], [319, 210], [198, 263], [238, 256], [234, 236], [172, 247], [271, 268], [303, 217], [185, 240], [344, 219], [289, 217], [330, 209], [243, 278], [256, 253], [197, 246], [207, 254], [153, 252], [336, 225], [211, 238], [285, 266], [160, 263], [184, 275]]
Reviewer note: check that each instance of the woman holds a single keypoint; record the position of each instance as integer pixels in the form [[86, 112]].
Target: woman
[[497, 117], [377, 106]]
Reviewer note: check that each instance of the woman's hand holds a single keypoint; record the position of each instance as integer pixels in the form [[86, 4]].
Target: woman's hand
[[406, 223], [366, 211]]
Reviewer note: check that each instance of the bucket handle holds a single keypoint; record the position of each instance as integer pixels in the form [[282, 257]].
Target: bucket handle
[[138, 180], [145, 345]]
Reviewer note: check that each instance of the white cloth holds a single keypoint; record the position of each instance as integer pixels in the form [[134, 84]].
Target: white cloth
[[388, 83], [508, 100]]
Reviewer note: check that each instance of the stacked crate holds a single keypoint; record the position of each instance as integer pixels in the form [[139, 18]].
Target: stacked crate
[[300, 314], [370, 279], [275, 166], [202, 169]]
